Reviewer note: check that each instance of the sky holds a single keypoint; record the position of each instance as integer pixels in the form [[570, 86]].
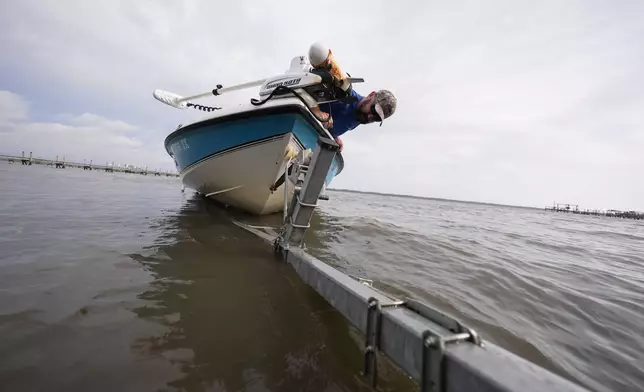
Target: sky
[[511, 102]]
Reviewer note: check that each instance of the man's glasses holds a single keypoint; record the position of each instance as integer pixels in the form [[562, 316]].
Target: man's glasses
[[372, 116]]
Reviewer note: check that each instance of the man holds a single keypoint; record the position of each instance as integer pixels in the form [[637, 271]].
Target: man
[[377, 106]]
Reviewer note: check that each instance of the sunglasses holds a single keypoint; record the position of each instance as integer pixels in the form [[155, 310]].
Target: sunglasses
[[372, 116]]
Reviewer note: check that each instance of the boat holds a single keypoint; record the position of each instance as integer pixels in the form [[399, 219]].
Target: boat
[[253, 155]]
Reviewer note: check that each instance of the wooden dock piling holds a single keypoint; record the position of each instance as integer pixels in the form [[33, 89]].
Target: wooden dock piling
[[26, 161]]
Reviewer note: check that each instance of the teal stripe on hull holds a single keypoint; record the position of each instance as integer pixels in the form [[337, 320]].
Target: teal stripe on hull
[[196, 143]]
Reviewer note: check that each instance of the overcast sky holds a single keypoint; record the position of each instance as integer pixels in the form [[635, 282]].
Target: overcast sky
[[516, 102]]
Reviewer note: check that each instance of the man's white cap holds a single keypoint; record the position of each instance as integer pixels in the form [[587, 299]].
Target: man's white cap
[[318, 52]]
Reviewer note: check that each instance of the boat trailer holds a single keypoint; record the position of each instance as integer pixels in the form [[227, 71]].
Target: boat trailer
[[433, 348]]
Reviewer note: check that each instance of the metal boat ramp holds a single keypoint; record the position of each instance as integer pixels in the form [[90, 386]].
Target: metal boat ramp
[[436, 350]]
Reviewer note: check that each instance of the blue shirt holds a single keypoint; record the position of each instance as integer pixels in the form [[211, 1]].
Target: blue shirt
[[344, 114]]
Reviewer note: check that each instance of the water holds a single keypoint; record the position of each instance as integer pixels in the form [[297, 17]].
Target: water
[[114, 281]]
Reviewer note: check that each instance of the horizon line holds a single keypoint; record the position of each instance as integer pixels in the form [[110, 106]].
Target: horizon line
[[461, 200], [431, 198]]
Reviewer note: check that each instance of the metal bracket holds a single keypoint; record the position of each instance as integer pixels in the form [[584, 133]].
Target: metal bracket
[[300, 202], [372, 337], [433, 365], [280, 243], [299, 226]]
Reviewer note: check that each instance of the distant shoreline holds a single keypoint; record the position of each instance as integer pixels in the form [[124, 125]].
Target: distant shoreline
[[431, 198], [450, 200]]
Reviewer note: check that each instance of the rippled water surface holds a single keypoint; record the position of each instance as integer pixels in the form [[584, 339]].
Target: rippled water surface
[[115, 281]]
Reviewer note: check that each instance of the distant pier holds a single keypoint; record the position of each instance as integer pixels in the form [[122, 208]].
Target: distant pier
[[62, 164], [59, 164], [574, 209], [26, 161]]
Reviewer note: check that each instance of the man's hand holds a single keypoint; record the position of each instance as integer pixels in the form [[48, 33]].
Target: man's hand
[[323, 117], [339, 141], [328, 124]]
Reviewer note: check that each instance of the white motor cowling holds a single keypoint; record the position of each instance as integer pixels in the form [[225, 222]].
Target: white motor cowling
[[292, 80], [299, 64]]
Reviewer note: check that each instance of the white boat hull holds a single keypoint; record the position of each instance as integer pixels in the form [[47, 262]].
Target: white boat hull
[[236, 156], [242, 178]]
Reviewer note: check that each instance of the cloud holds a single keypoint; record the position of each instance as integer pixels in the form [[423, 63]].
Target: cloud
[[12, 107], [89, 120], [519, 102], [79, 138]]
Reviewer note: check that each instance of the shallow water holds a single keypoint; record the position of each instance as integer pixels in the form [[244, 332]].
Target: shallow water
[[113, 281]]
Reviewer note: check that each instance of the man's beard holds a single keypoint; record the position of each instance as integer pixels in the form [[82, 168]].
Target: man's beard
[[362, 117]]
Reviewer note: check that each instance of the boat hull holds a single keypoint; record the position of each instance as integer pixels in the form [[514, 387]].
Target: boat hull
[[236, 158]]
